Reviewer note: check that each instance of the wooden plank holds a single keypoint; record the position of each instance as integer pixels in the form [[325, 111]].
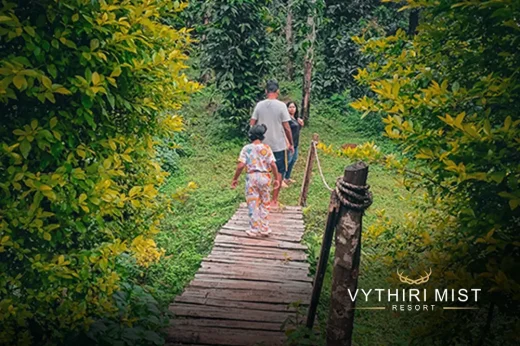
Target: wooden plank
[[292, 218], [274, 236], [229, 324], [256, 249], [202, 311], [223, 336], [275, 230], [254, 295], [299, 224], [243, 205], [272, 216], [229, 250], [274, 274], [278, 228], [259, 242], [285, 218], [256, 275], [234, 304], [208, 281], [248, 267], [255, 261]]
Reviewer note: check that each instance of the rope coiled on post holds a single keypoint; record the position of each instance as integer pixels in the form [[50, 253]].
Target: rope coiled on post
[[353, 196], [356, 197]]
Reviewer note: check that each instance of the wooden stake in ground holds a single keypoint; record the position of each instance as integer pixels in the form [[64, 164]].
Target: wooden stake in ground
[[324, 259], [346, 264], [308, 171]]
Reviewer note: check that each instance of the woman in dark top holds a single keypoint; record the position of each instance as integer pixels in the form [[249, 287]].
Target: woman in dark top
[[296, 124]]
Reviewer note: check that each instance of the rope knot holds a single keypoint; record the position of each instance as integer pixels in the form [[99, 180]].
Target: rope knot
[[357, 197]]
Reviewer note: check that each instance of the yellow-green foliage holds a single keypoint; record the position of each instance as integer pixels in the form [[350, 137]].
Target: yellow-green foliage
[[450, 97], [85, 87]]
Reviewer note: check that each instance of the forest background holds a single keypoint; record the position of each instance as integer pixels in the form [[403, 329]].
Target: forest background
[[109, 171]]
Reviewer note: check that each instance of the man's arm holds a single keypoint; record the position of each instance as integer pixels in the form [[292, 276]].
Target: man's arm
[[254, 117]]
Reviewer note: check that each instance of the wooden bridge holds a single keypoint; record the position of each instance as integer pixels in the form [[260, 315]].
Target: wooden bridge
[[243, 291]]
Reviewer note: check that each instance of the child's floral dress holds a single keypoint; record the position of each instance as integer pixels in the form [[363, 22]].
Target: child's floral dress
[[258, 159]]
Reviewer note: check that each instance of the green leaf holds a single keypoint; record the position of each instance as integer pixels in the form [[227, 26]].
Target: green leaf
[[94, 44], [25, 148], [46, 82], [455, 87], [507, 123], [86, 101], [63, 91], [29, 30], [52, 70], [20, 82], [96, 78], [47, 236], [53, 122], [116, 72], [497, 176]]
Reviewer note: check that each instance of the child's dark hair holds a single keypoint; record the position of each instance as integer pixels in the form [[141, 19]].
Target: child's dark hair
[[296, 115], [257, 132]]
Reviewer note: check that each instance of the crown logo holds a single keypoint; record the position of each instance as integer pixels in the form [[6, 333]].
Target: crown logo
[[419, 281]]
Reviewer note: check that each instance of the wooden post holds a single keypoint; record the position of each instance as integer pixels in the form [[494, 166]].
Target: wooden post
[[346, 264], [308, 172], [332, 219]]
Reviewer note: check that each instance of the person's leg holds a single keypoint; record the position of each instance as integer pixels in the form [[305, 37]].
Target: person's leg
[[280, 164], [292, 160], [252, 199], [264, 191]]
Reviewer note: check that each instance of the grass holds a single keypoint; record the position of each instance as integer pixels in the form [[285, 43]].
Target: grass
[[188, 233]]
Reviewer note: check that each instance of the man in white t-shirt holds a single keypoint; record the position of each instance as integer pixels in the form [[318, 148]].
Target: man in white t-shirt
[[273, 113]]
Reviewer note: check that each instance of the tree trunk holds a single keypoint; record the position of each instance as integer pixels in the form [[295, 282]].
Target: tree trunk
[[413, 22], [290, 42], [307, 64]]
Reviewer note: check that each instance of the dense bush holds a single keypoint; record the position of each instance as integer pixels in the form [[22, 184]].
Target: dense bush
[[236, 49], [450, 98], [83, 92], [167, 156], [339, 56]]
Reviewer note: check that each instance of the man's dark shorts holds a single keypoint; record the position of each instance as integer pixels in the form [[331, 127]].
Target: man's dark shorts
[[281, 161]]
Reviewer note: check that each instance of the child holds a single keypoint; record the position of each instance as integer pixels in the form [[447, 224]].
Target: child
[[257, 158]]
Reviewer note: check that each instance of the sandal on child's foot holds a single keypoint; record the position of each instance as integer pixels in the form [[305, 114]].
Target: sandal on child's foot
[[252, 234], [265, 233]]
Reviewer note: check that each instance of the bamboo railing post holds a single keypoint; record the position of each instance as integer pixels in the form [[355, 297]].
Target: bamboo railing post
[[346, 264], [308, 171]]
